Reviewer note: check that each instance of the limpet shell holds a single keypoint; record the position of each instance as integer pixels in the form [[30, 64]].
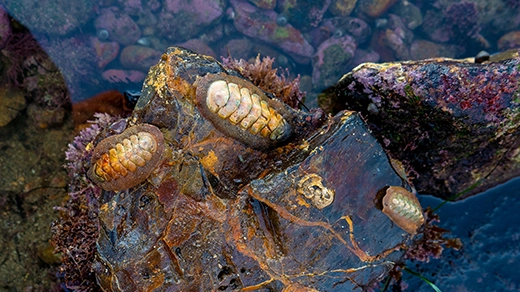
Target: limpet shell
[[241, 110], [123, 161], [403, 208]]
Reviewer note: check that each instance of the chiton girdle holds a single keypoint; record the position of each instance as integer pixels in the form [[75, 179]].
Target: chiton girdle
[[123, 161], [242, 111]]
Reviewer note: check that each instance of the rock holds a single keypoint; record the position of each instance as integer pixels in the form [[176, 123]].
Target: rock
[[123, 76], [303, 14], [332, 58], [199, 47], [58, 17], [338, 26], [78, 71], [12, 102], [510, 40], [375, 8], [363, 56], [139, 57], [262, 25], [422, 49], [459, 23], [264, 4], [237, 48], [490, 17], [180, 20], [342, 7], [409, 13], [454, 123], [106, 52], [393, 40], [119, 25]]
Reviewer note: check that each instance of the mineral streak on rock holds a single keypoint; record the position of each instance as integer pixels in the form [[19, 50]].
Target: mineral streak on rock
[[453, 123], [122, 161], [242, 111], [402, 207]]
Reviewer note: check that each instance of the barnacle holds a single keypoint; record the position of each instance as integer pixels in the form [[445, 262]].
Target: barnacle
[[241, 110], [403, 208], [125, 160], [311, 187]]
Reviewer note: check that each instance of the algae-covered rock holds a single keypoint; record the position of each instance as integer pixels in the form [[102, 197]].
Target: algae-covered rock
[[454, 123]]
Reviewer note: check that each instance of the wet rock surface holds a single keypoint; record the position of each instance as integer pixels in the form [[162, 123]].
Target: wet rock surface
[[218, 214], [454, 123]]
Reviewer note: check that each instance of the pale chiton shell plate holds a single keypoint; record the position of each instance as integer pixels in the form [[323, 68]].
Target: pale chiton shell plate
[[242, 111]]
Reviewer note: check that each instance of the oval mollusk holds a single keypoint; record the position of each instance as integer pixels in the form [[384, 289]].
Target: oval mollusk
[[122, 161], [403, 208], [241, 110]]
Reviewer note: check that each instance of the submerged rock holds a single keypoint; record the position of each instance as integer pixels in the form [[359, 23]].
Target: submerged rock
[[11, 103], [262, 25]]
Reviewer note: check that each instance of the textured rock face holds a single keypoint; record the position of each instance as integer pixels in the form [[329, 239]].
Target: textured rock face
[[219, 214], [454, 123]]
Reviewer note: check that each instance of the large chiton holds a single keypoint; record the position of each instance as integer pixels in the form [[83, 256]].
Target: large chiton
[[122, 161], [402, 207], [241, 110]]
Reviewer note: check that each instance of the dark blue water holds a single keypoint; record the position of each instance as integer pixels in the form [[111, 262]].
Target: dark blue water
[[488, 226]]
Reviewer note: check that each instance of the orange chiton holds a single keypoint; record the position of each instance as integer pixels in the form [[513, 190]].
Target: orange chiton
[[402, 207], [122, 161], [241, 110]]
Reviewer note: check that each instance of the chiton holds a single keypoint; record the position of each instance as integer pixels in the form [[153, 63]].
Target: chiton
[[241, 110], [403, 208], [122, 161]]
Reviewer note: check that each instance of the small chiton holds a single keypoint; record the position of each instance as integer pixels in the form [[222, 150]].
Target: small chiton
[[241, 110], [403, 208], [122, 161]]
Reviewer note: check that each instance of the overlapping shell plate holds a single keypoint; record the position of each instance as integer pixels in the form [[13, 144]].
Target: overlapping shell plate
[[239, 109], [122, 161], [403, 208]]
